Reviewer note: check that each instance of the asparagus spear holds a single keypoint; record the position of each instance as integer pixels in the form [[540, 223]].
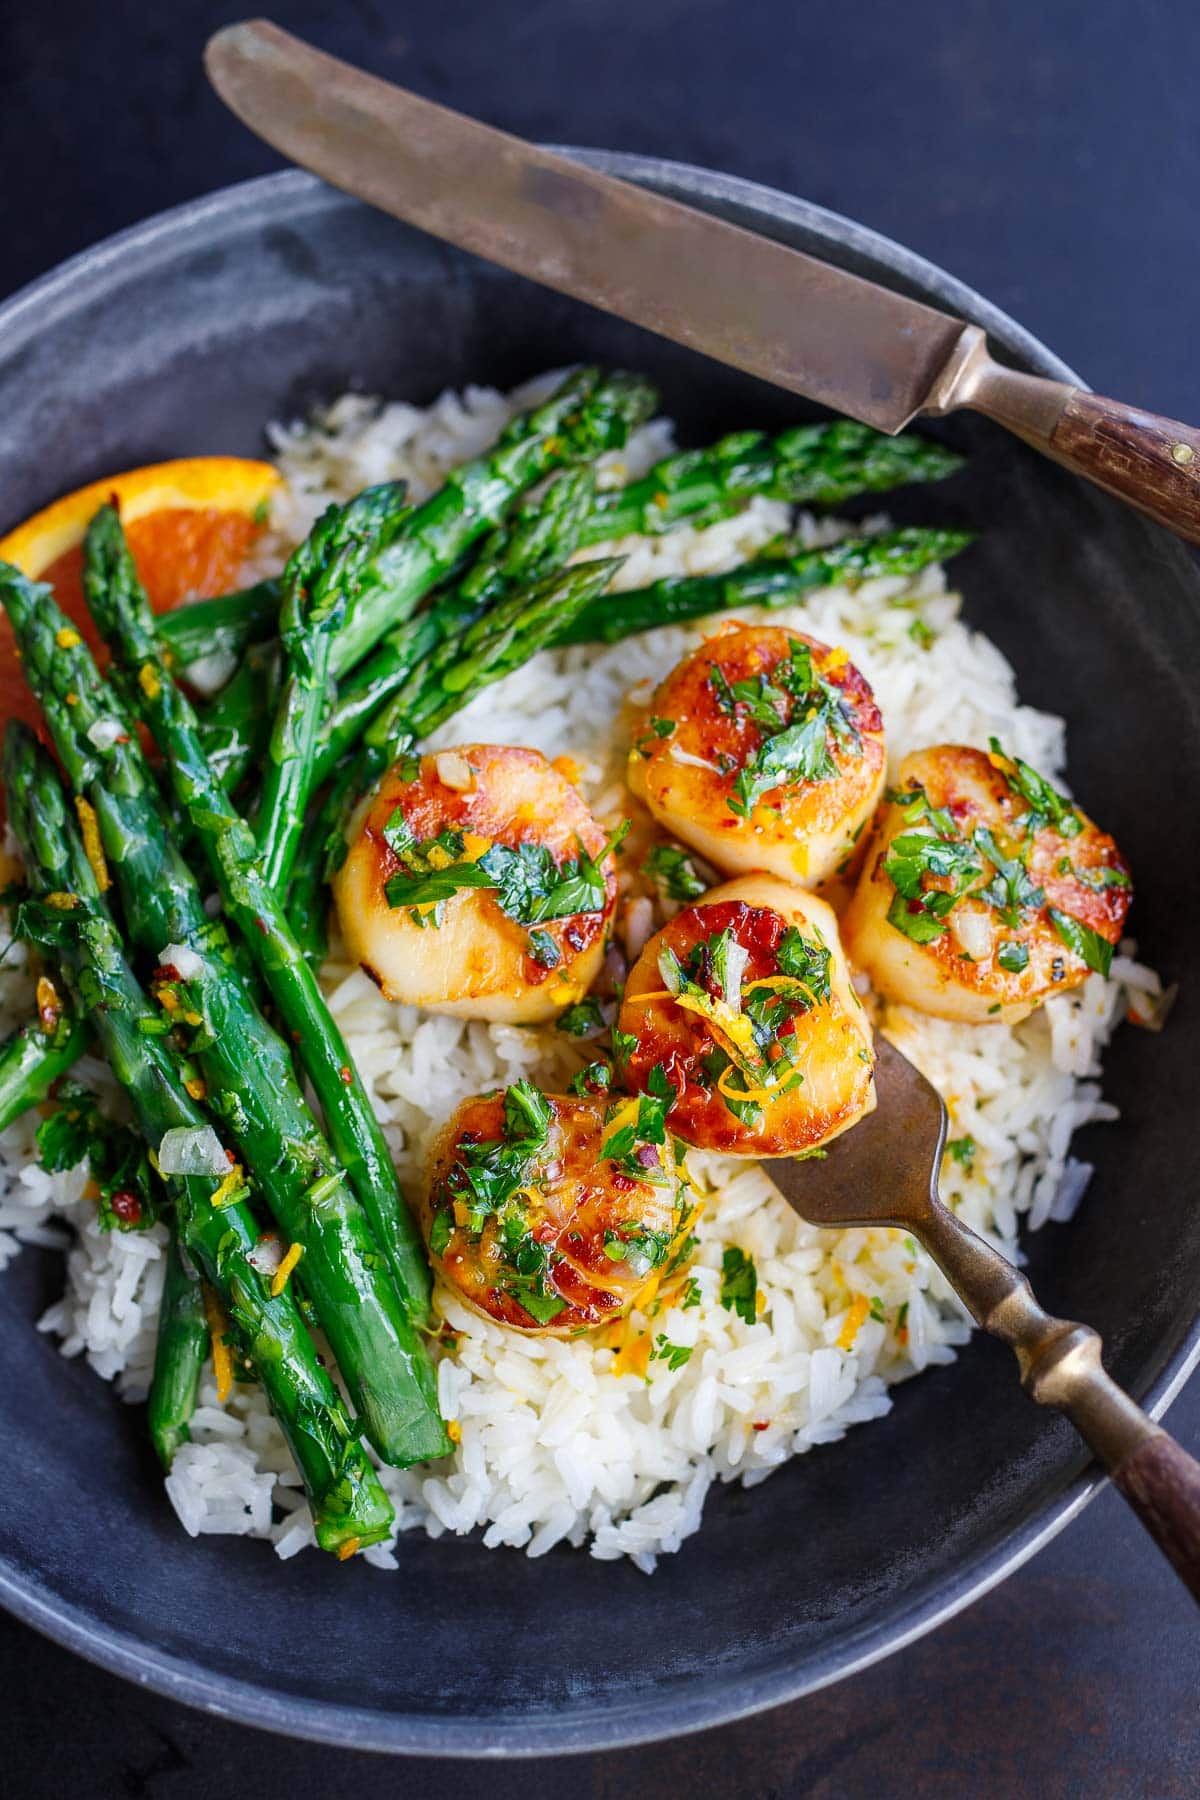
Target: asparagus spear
[[349, 1505], [247, 1067], [589, 413], [776, 580], [544, 534], [225, 625], [322, 580], [823, 464], [33, 1059], [122, 613], [179, 1353], [826, 464]]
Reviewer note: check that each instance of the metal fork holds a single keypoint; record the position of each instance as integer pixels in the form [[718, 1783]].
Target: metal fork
[[885, 1172]]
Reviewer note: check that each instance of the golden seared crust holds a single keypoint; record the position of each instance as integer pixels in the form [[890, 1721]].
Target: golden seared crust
[[801, 830], [970, 970], [829, 1043], [477, 963], [579, 1208]]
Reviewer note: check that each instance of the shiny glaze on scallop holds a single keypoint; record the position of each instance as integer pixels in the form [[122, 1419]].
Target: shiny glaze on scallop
[[476, 964], [957, 975], [802, 831], [835, 1044], [576, 1196]]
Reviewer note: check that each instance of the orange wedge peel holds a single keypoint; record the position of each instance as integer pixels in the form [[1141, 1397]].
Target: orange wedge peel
[[220, 484]]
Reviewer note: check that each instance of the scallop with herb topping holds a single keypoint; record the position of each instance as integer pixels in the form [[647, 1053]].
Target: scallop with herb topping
[[984, 890], [478, 883], [763, 750], [550, 1213], [741, 1010]]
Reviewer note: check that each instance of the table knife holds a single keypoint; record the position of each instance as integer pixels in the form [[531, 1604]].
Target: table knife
[[845, 342]]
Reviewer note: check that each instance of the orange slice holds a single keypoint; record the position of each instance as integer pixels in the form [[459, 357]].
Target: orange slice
[[191, 525]]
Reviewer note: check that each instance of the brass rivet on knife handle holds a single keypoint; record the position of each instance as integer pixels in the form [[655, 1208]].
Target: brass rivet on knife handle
[[733, 294]]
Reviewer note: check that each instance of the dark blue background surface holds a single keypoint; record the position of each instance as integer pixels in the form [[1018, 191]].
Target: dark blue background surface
[[1050, 156]]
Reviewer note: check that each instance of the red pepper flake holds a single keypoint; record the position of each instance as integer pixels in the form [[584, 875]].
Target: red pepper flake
[[916, 906], [761, 1424], [166, 972], [262, 926], [623, 1183], [126, 1207], [345, 1074]]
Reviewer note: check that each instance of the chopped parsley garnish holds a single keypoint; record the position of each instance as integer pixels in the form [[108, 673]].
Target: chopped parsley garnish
[[805, 961], [755, 1051], [593, 1080], [77, 1131], [674, 1355], [962, 1150], [1046, 805], [635, 1244], [1010, 890], [739, 1284], [488, 1186], [584, 1019], [933, 866], [674, 872], [529, 885], [877, 1312], [798, 712], [932, 848], [636, 1147], [693, 1294], [1096, 951], [1098, 880]]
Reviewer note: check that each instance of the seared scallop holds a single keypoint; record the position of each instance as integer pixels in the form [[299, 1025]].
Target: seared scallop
[[742, 1008], [478, 883], [984, 890], [552, 1214], [763, 750]]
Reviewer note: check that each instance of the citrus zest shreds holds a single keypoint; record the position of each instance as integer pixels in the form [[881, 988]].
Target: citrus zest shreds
[[475, 846], [859, 1308], [350, 1548], [92, 847], [454, 1431], [279, 1279], [62, 902], [66, 639], [197, 1087], [148, 681], [753, 1094], [633, 1356], [626, 1114], [221, 1195], [217, 1320], [49, 1005]]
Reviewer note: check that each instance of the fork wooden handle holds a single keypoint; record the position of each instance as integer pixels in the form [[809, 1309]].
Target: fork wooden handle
[[1061, 1367], [1162, 1484]]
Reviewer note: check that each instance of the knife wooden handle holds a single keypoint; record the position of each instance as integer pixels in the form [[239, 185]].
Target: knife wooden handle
[[1153, 463]]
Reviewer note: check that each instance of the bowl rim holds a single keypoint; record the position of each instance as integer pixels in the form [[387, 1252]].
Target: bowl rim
[[719, 1700]]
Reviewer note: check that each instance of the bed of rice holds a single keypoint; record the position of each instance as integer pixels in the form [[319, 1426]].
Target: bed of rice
[[554, 1443]]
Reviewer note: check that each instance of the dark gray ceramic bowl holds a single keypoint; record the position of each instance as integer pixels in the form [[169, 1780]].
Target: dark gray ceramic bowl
[[184, 336]]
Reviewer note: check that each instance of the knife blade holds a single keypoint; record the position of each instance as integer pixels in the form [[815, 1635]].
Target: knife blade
[[713, 286], [848, 343]]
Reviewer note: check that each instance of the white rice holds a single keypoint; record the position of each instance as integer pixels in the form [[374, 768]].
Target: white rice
[[554, 1445]]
